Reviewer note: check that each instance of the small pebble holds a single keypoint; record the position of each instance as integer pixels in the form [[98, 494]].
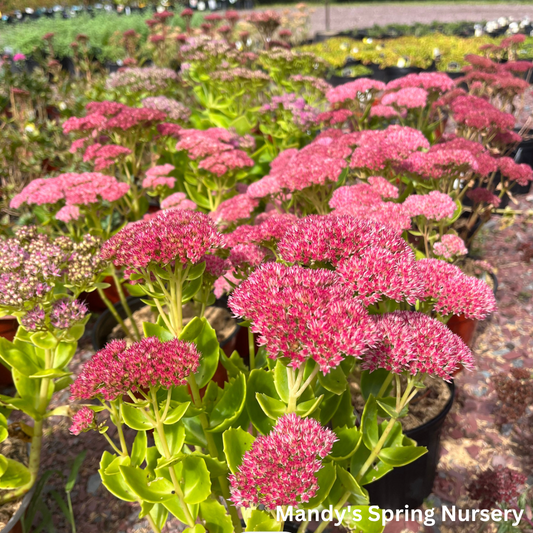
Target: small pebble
[[93, 483]]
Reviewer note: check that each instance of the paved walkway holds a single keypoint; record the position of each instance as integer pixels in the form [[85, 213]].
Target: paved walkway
[[365, 16]]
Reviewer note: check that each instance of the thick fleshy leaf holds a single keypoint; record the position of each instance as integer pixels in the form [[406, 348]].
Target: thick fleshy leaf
[[371, 382], [346, 444], [236, 443], [272, 408], [260, 381], [334, 381], [153, 330], [175, 437], [369, 423], [135, 418], [215, 516], [196, 480], [138, 450], [229, 406], [18, 359], [281, 381], [344, 415], [175, 414], [262, 521], [151, 490], [401, 456], [351, 485], [207, 344], [15, 475]]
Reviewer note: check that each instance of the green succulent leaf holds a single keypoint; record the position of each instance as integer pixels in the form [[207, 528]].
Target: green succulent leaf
[[236, 443], [15, 474], [273, 408], [135, 418], [401, 456], [151, 490], [215, 516], [196, 480]]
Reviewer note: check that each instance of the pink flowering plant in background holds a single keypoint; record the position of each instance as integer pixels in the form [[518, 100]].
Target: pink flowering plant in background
[[41, 279]]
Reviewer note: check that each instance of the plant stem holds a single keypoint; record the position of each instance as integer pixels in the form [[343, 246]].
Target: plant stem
[[153, 525], [341, 502], [37, 438], [385, 385], [71, 513], [251, 348], [212, 448], [114, 312], [125, 305], [166, 452]]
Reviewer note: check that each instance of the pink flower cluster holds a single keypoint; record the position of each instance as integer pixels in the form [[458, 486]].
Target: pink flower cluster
[[173, 109], [113, 116], [158, 177], [485, 163], [280, 467], [450, 246], [237, 208], [479, 114], [65, 313], [441, 164], [82, 421], [365, 201], [302, 314], [483, 196], [178, 200], [454, 293], [318, 163], [409, 98], [267, 230], [117, 369], [433, 82], [521, 173], [416, 343], [104, 156], [331, 239], [75, 189], [224, 162], [351, 91], [174, 235], [433, 206], [375, 273], [378, 149], [383, 111]]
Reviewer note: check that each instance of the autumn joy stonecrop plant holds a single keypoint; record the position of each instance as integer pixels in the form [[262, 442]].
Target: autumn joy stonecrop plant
[[41, 279], [199, 444]]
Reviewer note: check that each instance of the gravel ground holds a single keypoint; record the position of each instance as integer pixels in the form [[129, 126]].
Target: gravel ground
[[365, 16]]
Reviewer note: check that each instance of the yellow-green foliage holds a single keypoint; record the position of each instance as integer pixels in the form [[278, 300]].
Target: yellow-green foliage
[[408, 51]]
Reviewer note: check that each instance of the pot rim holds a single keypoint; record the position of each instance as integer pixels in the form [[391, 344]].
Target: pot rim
[[20, 511]]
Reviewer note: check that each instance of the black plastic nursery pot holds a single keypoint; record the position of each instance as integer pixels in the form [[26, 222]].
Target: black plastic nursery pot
[[335, 81], [394, 73], [412, 484], [378, 74]]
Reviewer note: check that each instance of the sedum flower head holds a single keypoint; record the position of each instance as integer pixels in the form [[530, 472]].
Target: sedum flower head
[[376, 273], [408, 97], [433, 206], [416, 343], [303, 314], [174, 235], [117, 369], [330, 239], [82, 421], [453, 292], [237, 208], [280, 467], [450, 246], [65, 313]]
